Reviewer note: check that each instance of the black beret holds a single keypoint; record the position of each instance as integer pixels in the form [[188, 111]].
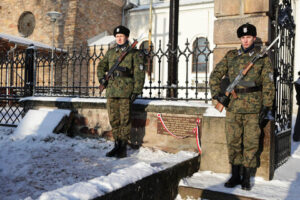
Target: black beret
[[121, 30], [246, 29]]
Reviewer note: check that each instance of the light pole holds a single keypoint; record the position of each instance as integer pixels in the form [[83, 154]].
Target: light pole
[[53, 17]]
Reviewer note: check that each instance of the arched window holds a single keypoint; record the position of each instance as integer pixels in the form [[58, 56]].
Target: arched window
[[145, 47], [200, 56]]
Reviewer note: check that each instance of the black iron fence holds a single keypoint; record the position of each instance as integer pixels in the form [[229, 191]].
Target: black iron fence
[[283, 61], [12, 86], [73, 72]]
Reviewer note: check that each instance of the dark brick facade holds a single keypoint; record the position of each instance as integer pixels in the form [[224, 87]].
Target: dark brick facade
[[81, 19]]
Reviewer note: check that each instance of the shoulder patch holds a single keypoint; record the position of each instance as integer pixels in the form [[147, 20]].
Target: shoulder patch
[[271, 76], [141, 67]]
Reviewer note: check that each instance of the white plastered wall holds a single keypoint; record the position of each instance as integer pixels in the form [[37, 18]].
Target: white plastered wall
[[196, 19]]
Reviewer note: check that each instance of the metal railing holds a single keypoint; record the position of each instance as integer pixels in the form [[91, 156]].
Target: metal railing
[[283, 61], [75, 73], [12, 68], [28, 73]]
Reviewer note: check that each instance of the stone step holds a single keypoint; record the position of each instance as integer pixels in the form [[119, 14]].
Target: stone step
[[159, 186], [196, 193]]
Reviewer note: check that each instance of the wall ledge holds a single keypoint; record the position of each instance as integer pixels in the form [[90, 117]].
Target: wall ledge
[[159, 106]]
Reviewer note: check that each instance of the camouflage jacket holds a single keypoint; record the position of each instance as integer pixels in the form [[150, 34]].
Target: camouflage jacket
[[261, 74], [123, 87]]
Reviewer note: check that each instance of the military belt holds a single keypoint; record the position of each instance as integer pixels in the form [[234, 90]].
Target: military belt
[[118, 73], [122, 69], [248, 89]]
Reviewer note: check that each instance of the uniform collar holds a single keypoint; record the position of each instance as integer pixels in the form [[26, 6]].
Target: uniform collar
[[247, 49], [250, 51], [122, 47]]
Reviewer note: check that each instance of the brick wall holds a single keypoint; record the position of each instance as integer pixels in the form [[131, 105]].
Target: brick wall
[[80, 20], [94, 17]]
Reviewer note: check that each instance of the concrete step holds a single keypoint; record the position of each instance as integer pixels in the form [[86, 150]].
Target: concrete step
[[159, 186], [200, 193]]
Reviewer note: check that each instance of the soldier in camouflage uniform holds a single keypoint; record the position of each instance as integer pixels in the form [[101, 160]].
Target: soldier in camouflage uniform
[[244, 115], [122, 90]]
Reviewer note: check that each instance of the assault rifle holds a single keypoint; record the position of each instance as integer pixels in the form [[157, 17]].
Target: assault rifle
[[109, 74], [242, 73]]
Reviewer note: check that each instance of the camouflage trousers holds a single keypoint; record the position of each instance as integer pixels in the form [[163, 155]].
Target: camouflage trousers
[[119, 111], [243, 135]]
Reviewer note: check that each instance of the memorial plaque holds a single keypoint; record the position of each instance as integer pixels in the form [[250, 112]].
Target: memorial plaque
[[178, 125]]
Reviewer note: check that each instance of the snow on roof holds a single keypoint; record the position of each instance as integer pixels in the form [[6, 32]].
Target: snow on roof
[[101, 39], [23, 41], [166, 4], [106, 40]]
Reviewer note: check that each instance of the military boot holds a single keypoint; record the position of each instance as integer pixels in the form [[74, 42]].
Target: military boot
[[114, 151], [235, 177], [122, 151], [246, 178]]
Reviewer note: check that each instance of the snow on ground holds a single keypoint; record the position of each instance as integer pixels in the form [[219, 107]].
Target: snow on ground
[[285, 184], [38, 164]]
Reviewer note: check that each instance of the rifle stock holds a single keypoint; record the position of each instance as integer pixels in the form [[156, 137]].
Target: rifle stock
[[101, 88], [219, 107], [247, 68]]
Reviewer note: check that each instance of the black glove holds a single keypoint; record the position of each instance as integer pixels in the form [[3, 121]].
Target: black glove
[[264, 116], [222, 99], [103, 82], [133, 97]]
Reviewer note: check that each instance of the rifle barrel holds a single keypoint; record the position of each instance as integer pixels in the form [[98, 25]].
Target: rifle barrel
[[269, 47]]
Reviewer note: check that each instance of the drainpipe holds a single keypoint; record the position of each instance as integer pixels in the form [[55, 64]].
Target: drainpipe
[[127, 6]]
